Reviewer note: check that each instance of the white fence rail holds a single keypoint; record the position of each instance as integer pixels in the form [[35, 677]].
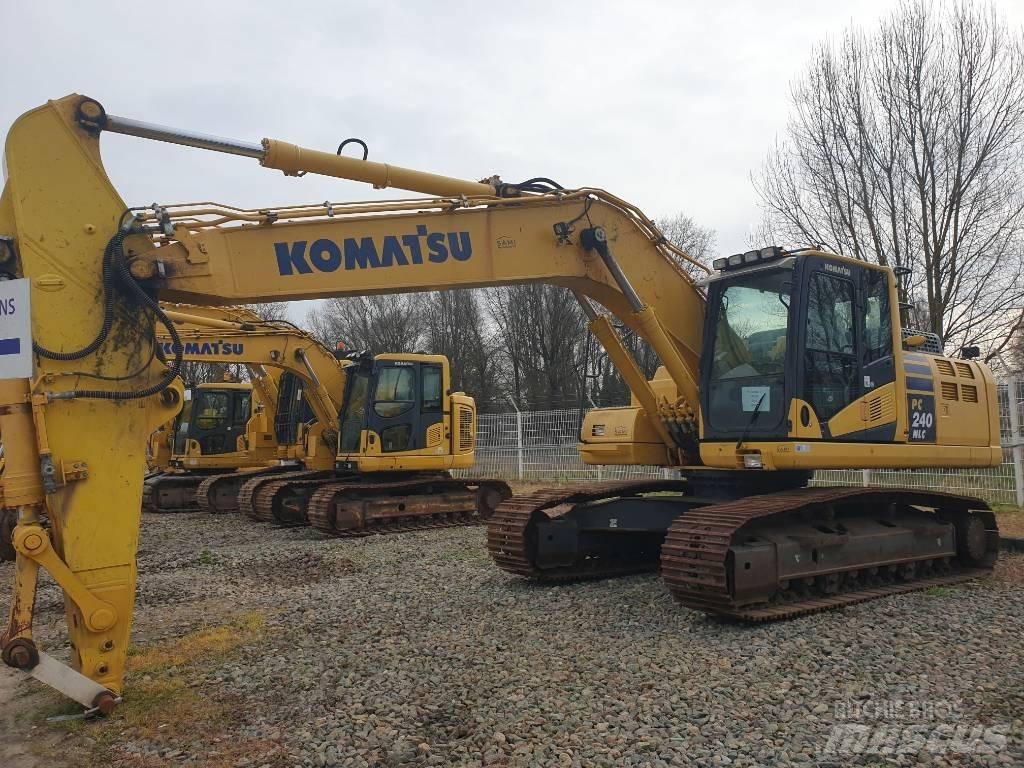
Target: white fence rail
[[541, 446]]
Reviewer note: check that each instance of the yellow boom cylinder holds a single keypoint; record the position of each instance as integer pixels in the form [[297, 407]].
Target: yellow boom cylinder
[[294, 160]]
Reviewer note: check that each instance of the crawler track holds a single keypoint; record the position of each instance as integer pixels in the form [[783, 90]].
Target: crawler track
[[360, 508], [511, 535], [170, 493], [247, 496], [208, 489], [699, 569]]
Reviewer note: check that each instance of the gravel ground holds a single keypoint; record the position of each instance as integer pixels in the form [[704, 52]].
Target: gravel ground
[[413, 649]]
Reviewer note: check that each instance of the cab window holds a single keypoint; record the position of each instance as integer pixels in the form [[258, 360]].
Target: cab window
[[431, 388], [211, 410], [877, 317], [394, 394], [242, 409], [830, 364]]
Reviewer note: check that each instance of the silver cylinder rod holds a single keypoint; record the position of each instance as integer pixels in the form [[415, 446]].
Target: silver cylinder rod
[[299, 353], [599, 242], [128, 127]]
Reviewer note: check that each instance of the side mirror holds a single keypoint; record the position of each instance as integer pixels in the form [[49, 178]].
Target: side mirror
[[969, 353]]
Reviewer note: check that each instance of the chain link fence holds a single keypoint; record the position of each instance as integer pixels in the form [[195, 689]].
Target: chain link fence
[[541, 446]]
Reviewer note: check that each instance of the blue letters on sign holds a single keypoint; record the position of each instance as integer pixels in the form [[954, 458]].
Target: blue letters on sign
[[10, 346], [198, 349], [325, 255]]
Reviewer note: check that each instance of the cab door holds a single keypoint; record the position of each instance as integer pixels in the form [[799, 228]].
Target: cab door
[[240, 412], [211, 423], [829, 367], [847, 358], [407, 400]]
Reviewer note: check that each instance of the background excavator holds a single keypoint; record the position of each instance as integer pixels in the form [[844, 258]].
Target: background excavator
[[360, 444], [223, 427], [779, 363], [212, 435]]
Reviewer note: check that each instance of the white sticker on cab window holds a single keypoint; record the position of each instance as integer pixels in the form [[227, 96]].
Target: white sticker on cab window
[[756, 399]]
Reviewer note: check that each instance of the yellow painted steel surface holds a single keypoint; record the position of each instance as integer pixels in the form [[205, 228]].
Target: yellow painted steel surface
[[60, 209]]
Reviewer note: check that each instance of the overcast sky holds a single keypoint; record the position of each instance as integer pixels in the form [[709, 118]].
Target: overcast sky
[[669, 105]]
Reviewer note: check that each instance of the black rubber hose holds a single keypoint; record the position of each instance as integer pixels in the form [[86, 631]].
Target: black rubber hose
[[113, 246], [121, 273]]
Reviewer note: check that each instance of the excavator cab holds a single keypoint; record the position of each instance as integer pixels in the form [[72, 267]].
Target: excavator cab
[[216, 417], [814, 330], [396, 413], [806, 354]]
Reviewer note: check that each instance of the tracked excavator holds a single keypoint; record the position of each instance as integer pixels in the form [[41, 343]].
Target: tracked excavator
[[777, 363], [362, 445], [222, 428]]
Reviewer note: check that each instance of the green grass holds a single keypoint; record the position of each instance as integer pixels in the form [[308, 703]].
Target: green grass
[[206, 557], [160, 703]]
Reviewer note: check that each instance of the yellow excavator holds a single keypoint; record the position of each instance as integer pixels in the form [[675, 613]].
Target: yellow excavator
[[213, 434], [360, 444], [774, 365], [223, 427]]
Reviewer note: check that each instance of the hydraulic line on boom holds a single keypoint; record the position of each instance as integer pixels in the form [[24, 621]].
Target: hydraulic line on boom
[[776, 365]]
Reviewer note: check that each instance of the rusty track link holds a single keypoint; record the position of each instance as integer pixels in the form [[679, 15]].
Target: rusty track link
[[248, 496], [509, 537], [695, 552], [320, 515]]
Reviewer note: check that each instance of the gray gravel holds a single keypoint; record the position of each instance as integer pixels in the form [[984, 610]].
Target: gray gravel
[[413, 649]]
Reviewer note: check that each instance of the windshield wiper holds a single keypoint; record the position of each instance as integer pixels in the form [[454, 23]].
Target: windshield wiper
[[753, 419]]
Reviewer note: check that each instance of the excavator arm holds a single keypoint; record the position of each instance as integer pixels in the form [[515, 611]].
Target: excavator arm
[[269, 345], [97, 266]]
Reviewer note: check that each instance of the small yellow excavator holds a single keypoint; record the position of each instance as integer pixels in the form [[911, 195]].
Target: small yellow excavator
[[359, 444], [777, 363], [219, 430]]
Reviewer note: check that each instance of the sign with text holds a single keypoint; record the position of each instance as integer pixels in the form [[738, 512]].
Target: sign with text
[[15, 330]]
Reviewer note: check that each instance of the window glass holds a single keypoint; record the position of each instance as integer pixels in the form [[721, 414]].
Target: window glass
[[211, 409], [431, 387], [830, 362], [748, 362], [354, 416], [395, 438], [289, 408], [877, 317], [830, 314], [753, 317], [395, 391], [242, 401]]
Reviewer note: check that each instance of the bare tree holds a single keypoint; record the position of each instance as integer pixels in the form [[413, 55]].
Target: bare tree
[[905, 147], [270, 310], [388, 323], [541, 333], [685, 233], [454, 325]]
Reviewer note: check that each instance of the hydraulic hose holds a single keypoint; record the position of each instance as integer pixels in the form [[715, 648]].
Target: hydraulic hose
[[116, 273]]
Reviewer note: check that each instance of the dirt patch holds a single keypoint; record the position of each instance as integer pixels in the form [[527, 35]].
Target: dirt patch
[[298, 568], [1011, 521], [169, 711]]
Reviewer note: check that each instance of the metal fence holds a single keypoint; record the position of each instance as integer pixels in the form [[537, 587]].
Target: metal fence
[[541, 446]]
